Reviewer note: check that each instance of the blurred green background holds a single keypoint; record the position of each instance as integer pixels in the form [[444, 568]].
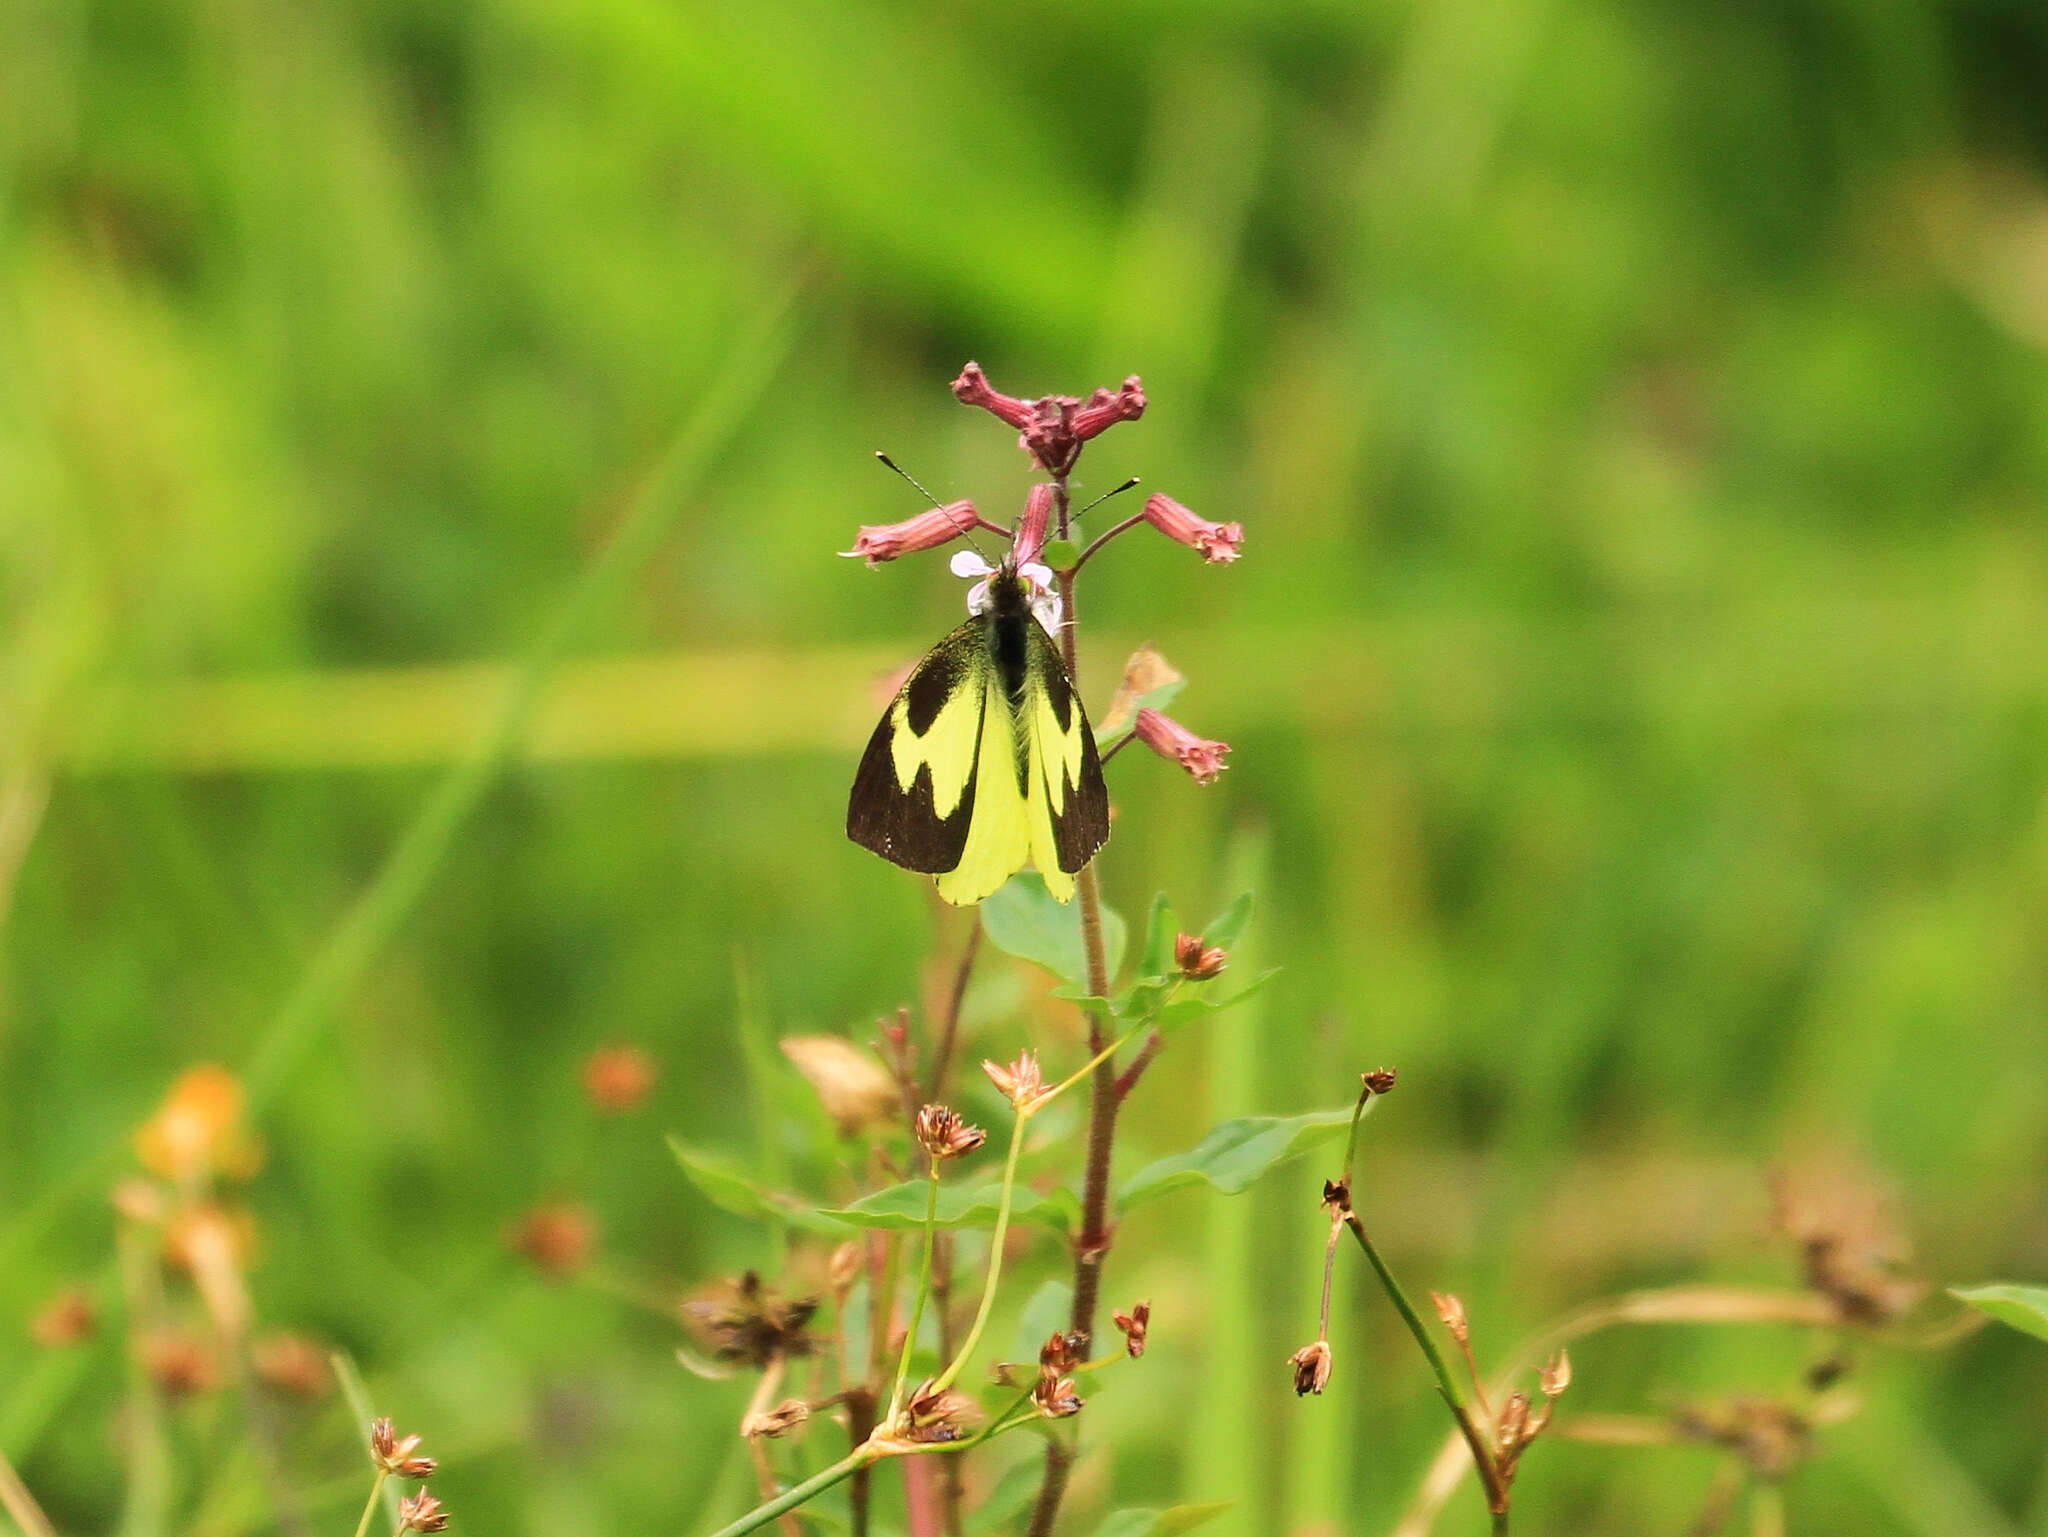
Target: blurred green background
[[1637, 673]]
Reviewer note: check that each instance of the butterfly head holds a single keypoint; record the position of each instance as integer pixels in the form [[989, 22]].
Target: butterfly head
[[1010, 589]]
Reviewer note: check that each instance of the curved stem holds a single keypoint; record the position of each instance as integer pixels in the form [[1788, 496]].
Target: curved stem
[[995, 1257], [924, 1288], [797, 1494], [1447, 1384], [1103, 538]]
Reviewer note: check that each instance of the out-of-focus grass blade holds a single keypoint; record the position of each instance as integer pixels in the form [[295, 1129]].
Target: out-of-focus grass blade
[[362, 932], [1222, 1458]]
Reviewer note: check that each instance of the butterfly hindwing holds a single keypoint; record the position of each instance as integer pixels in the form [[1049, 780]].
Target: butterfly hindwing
[[984, 763], [1070, 802]]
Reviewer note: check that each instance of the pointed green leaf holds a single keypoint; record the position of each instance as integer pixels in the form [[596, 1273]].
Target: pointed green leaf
[[1051, 1307], [1162, 928], [1023, 920], [1189, 1007], [2024, 1308], [730, 1187], [1160, 1523], [1236, 1154], [1228, 926], [902, 1206]]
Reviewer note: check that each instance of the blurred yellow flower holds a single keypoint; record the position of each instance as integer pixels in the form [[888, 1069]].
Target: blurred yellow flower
[[198, 1130]]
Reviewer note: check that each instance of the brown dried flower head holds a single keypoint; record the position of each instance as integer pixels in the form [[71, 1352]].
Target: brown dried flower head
[[1198, 962], [396, 1454], [939, 1414], [1021, 1083], [855, 1089], [1770, 1436], [1452, 1312], [776, 1422], [1556, 1375], [1060, 1353], [744, 1321], [66, 1319], [1056, 1396], [1379, 1080], [618, 1079], [422, 1513], [1512, 1428], [291, 1364], [1311, 1366], [1851, 1244], [942, 1134], [179, 1363], [1134, 1325], [556, 1236]]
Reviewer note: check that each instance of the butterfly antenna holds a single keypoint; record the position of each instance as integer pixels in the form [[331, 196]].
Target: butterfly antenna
[[965, 527], [1119, 491]]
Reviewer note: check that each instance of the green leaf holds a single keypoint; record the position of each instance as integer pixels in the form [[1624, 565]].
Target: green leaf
[[730, 1187], [1228, 926], [1023, 920], [902, 1206], [1161, 1523], [1188, 1008], [1050, 1307], [2024, 1308], [1060, 554], [1015, 1492], [1162, 928], [1236, 1154]]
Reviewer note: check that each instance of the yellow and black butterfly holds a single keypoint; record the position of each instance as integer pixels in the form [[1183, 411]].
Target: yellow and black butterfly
[[985, 761]]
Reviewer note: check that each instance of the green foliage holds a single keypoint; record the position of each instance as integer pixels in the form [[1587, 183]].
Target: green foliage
[[903, 1206], [2024, 1308], [1636, 665], [730, 1187], [1023, 920], [1236, 1154], [1161, 1523]]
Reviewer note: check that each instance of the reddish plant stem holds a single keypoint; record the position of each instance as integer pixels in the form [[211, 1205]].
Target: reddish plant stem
[[942, 1059], [1128, 1079], [1091, 1245]]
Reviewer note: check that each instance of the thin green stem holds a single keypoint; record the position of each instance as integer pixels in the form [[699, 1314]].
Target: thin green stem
[[1447, 1384], [924, 1290], [995, 1256], [370, 1506], [797, 1494], [1351, 1138]]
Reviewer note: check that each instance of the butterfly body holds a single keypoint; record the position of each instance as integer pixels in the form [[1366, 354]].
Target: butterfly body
[[985, 761]]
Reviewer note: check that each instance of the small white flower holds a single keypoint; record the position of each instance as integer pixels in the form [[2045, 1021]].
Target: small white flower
[[1037, 579]]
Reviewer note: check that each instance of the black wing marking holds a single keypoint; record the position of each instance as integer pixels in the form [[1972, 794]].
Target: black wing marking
[[901, 822], [1080, 811]]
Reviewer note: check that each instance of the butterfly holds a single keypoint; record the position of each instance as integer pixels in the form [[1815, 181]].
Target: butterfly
[[985, 761]]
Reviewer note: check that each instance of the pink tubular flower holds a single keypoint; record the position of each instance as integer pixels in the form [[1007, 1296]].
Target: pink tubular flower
[[973, 389], [927, 530], [1170, 739], [1218, 542], [1053, 427], [1030, 540]]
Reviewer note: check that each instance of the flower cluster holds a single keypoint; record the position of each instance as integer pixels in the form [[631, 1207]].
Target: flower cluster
[[1053, 429]]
